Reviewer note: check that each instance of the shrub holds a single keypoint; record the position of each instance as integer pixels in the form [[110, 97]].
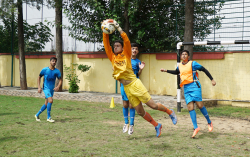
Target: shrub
[[72, 77]]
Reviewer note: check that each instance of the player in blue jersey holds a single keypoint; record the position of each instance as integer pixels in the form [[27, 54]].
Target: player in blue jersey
[[137, 66], [50, 74], [192, 87]]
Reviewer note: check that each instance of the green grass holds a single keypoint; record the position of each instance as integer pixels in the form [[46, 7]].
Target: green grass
[[93, 129]]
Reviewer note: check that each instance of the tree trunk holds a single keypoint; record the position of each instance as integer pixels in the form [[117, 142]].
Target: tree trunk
[[59, 44], [126, 25], [189, 26], [22, 65], [189, 31]]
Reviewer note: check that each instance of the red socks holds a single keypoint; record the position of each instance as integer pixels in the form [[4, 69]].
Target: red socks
[[148, 118], [164, 109]]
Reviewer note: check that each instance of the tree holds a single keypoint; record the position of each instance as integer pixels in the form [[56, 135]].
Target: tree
[[157, 25], [59, 41], [189, 26], [58, 5], [35, 36], [22, 64], [7, 8]]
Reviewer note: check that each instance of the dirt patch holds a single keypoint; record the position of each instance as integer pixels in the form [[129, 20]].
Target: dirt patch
[[222, 124]]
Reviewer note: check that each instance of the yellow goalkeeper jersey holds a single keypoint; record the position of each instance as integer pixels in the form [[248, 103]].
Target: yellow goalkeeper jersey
[[121, 62]]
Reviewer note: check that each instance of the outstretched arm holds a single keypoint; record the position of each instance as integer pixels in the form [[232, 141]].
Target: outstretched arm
[[107, 46], [197, 66], [126, 42], [174, 72], [208, 75]]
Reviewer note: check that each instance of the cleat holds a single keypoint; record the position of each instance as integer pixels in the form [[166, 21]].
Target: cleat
[[158, 130], [173, 117], [37, 118], [125, 128], [50, 120], [210, 127], [196, 132], [131, 129]]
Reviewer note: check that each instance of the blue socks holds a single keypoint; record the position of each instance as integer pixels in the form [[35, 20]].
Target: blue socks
[[132, 116], [125, 114], [204, 112], [48, 110], [193, 118], [41, 110]]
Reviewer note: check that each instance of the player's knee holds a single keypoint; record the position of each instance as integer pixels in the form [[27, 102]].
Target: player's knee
[[125, 104], [50, 101], [141, 113], [155, 107], [200, 106]]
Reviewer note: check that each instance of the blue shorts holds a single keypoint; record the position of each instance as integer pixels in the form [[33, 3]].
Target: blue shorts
[[48, 93], [124, 96], [192, 92]]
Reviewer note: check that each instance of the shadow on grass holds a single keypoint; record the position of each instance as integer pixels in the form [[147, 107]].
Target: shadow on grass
[[212, 135], [67, 120], [4, 114], [9, 138], [143, 137]]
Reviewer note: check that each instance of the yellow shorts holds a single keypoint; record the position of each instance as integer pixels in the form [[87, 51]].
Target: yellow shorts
[[136, 93]]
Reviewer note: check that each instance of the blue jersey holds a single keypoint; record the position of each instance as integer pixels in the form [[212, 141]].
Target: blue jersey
[[135, 66], [50, 77]]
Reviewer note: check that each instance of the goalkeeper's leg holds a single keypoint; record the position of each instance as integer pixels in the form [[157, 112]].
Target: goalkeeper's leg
[[140, 110]]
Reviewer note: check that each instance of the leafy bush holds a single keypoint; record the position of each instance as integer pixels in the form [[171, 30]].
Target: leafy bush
[[72, 77]]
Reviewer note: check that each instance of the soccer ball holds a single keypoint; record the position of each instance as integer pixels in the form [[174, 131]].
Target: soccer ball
[[107, 27]]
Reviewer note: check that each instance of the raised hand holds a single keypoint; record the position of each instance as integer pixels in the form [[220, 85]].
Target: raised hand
[[116, 24], [141, 65]]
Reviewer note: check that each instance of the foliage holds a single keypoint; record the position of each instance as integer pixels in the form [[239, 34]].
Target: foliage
[[157, 25], [83, 68], [35, 36], [7, 7], [72, 77]]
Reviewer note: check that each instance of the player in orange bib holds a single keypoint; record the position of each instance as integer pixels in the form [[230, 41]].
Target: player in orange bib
[[123, 72], [192, 87]]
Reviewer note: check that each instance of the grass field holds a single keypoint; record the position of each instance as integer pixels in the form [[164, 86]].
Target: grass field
[[93, 129]]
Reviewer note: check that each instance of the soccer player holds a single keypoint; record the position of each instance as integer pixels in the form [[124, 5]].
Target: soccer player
[[123, 72], [137, 67], [50, 74], [192, 87]]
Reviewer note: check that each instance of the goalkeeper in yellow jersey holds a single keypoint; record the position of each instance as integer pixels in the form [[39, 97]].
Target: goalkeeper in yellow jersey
[[123, 72]]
